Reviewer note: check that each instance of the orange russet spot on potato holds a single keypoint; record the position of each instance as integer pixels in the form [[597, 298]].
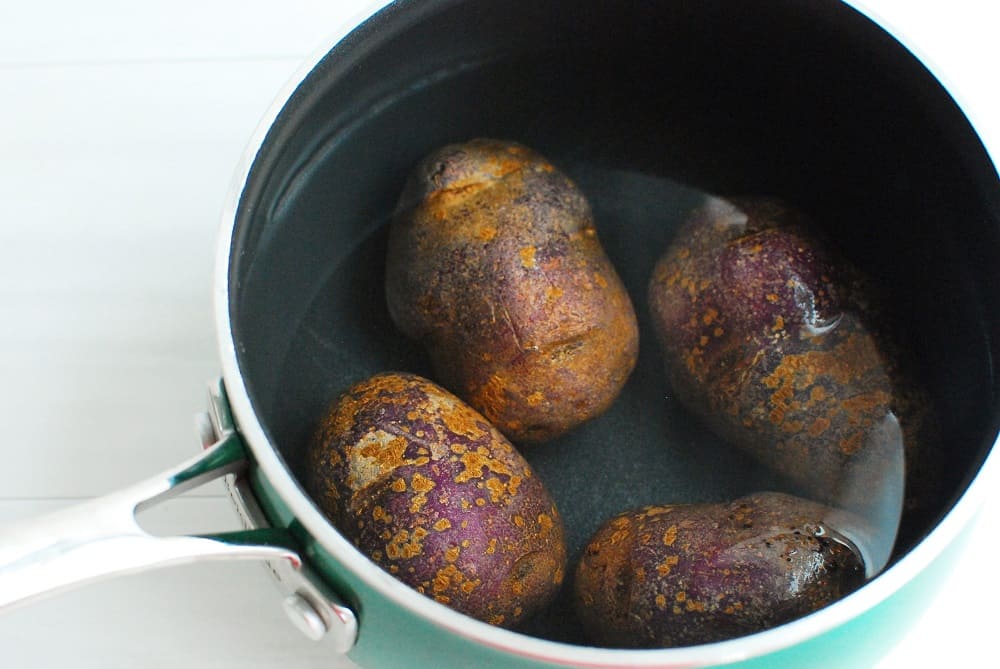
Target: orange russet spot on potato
[[536, 398], [496, 488], [817, 394], [683, 253], [670, 536], [819, 426], [545, 522], [490, 397], [452, 554], [665, 567], [513, 484], [500, 166], [442, 525], [460, 420], [661, 602], [793, 426], [405, 545], [527, 254], [421, 483], [693, 605], [776, 416], [552, 263], [519, 521], [387, 455], [710, 316], [850, 445], [772, 298], [480, 501], [491, 548], [718, 332], [618, 536], [399, 485], [867, 403], [681, 596], [445, 577], [779, 324], [600, 280], [486, 233], [476, 463], [496, 619]]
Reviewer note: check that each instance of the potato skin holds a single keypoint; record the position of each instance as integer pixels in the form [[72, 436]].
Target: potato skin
[[494, 263], [679, 575], [432, 493], [776, 345]]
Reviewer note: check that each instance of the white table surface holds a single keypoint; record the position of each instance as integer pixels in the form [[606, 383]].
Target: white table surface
[[120, 126]]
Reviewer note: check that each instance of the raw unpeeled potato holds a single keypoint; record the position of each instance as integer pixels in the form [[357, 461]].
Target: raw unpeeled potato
[[424, 486], [494, 264], [685, 574]]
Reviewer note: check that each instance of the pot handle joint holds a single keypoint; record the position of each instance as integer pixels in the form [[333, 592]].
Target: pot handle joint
[[101, 538]]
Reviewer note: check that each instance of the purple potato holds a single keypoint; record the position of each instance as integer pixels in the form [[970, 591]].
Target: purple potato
[[686, 574], [424, 486], [778, 347], [495, 266]]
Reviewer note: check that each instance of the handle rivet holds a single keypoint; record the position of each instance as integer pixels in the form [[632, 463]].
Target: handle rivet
[[305, 617]]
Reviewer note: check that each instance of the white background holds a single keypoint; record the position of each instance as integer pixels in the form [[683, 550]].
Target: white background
[[120, 126]]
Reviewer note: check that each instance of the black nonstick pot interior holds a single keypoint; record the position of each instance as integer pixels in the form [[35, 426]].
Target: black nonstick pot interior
[[647, 106]]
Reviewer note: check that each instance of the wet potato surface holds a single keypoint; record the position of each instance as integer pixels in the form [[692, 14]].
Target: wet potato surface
[[426, 488], [677, 575], [495, 265], [780, 348]]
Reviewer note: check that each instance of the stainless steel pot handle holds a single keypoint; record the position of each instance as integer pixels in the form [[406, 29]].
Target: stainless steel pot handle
[[101, 538]]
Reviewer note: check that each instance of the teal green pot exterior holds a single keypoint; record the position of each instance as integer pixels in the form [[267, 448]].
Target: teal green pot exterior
[[391, 636]]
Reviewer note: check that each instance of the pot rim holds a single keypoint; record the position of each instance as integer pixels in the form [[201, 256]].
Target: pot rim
[[762, 643]]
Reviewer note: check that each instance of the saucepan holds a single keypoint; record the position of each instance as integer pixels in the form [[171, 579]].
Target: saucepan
[[647, 106]]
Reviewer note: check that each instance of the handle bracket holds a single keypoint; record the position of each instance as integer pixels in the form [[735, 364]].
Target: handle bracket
[[311, 606]]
